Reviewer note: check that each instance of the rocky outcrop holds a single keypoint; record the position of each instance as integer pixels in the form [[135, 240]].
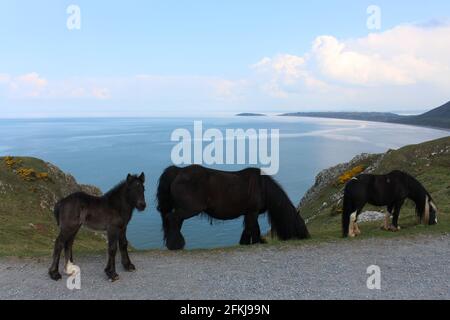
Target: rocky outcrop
[[329, 176]]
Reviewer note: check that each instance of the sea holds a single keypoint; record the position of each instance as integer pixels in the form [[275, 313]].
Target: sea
[[102, 151]]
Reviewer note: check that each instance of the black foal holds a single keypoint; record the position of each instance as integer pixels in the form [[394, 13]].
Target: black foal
[[110, 212]]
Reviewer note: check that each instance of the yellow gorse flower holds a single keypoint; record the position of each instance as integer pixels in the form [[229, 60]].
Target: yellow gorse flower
[[346, 176]]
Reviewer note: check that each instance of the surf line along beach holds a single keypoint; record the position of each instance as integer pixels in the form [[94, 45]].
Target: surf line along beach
[[222, 149], [228, 309]]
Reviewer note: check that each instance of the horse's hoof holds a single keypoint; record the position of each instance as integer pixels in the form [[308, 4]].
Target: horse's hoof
[[130, 267], [55, 275], [113, 277], [175, 247], [393, 228], [175, 243]]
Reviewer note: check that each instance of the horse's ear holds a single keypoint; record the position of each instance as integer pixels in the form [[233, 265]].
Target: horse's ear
[[142, 177], [129, 178]]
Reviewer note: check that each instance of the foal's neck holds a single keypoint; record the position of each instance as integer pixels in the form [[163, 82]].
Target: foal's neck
[[116, 199]]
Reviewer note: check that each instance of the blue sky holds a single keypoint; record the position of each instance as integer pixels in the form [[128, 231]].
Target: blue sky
[[173, 58]]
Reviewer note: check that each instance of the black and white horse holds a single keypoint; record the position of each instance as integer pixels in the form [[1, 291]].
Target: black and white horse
[[389, 190]]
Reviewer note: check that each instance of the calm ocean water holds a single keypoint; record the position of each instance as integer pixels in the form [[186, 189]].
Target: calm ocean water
[[102, 151]]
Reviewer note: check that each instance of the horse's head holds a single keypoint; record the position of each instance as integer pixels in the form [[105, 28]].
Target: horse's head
[[431, 211], [135, 191]]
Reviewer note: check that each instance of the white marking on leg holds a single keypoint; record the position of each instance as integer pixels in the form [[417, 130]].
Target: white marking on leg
[[71, 268], [427, 211], [351, 229], [435, 211], [386, 220]]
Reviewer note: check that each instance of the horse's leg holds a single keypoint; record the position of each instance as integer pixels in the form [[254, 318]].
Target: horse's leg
[[355, 224], [387, 216], [255, 230], [256, 236], [246, 236], [110, 270], [59, 245], [175, 240], [123, 246], [398, 205], [68, 254]]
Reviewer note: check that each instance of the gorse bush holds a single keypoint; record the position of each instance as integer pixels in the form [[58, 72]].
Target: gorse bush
[[11, 162], [26, 174], [346, 176]]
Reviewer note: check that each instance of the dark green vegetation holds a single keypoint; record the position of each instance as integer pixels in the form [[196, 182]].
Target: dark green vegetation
[[29, 188], [438, 117]]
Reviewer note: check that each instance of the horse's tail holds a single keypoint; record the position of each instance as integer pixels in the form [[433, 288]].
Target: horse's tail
[[283, 217], [348, 207], [164, 199], [56, 210]]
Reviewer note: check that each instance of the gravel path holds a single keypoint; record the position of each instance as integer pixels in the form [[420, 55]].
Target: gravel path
[[411, 268]]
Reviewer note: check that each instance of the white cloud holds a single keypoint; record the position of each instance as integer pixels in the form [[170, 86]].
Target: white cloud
[[26, 85], [34, 86], [100, 93], [286, 65], [406, 56], [4, 78], [286, 73]]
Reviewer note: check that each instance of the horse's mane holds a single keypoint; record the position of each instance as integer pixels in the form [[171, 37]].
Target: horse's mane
[[417, 193], [114, 190]]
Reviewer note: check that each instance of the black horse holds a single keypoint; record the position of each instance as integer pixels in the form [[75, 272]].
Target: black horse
[[110, 213], [389, 190], [186, 192]]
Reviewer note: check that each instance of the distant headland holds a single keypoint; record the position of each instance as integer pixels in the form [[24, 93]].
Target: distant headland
[[436, 118], [249, 114]]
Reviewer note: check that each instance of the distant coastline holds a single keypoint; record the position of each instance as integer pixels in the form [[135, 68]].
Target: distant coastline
[[438, 118], [249, 114]]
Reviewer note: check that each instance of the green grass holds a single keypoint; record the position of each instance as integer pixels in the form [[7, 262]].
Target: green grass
[[27, 224]]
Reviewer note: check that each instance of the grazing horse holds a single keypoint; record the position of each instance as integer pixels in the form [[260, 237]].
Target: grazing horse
[[186, 192], [110, 212], [389, 190]]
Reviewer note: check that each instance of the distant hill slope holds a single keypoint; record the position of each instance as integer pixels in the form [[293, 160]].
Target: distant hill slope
[[438, 117], [429, 162], [29, 188]]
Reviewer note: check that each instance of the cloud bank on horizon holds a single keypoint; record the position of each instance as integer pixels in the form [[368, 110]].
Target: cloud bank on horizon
[[403, 68]]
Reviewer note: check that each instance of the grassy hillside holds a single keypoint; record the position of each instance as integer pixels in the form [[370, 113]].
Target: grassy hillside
[[438, 117], [429, 162], [29, 188]]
